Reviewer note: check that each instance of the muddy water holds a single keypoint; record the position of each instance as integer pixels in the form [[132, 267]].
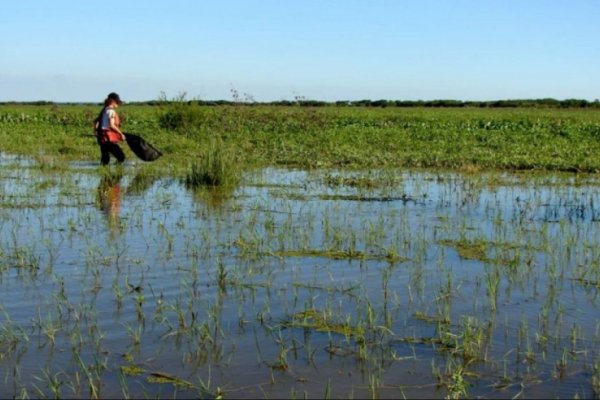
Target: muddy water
[[325, 284]]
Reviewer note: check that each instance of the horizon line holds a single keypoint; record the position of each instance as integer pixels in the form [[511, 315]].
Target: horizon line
[[315, 101]]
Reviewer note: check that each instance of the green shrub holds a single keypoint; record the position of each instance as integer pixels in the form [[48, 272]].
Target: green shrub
[[181, 117]]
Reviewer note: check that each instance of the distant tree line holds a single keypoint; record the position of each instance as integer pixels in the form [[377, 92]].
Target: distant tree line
[[526, 103]]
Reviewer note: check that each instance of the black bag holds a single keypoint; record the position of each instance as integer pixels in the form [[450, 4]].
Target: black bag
[[144, 150]]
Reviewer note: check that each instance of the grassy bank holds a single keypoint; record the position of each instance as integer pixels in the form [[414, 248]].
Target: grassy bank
[[466, 138]]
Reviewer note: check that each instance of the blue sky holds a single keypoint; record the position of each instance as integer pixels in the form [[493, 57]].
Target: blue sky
[[277, 49]]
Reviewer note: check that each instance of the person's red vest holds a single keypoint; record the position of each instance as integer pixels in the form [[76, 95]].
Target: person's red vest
[[110, 135]]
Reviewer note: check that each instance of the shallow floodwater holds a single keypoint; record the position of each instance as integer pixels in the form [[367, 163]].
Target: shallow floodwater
[[298, 283]]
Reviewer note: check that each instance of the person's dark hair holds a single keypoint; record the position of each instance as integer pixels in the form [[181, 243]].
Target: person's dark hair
[[113, 96]]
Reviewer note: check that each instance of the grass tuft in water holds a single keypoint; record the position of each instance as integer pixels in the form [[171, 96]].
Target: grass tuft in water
[[344, 254], [316, 320], [217, 167], [163, 378]]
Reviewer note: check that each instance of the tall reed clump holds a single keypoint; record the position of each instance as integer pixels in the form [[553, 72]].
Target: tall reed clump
[[218, 166]]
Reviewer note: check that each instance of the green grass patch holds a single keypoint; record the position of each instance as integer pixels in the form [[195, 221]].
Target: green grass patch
[[479, 250], [340, 254], [132, 370], [162, 378], [475, 250], [469, 139], [314, 320]]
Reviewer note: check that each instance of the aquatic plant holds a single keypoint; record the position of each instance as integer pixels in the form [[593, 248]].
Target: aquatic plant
[[218, 166]]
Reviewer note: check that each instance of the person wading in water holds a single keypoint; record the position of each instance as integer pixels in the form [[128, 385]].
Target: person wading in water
[[107, 131]]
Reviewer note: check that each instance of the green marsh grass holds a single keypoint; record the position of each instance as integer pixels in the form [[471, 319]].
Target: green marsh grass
[[342, 137]]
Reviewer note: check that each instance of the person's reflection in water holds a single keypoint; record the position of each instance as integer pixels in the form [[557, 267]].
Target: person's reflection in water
[[109, 197]]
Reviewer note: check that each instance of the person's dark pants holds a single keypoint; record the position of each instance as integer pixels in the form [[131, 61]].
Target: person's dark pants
[[106, 149]]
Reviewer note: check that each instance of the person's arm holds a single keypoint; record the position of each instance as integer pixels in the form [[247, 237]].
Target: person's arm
[[114, 127], [96, 124]]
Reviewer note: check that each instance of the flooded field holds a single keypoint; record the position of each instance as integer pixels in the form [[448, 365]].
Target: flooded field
[[335, 284]]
